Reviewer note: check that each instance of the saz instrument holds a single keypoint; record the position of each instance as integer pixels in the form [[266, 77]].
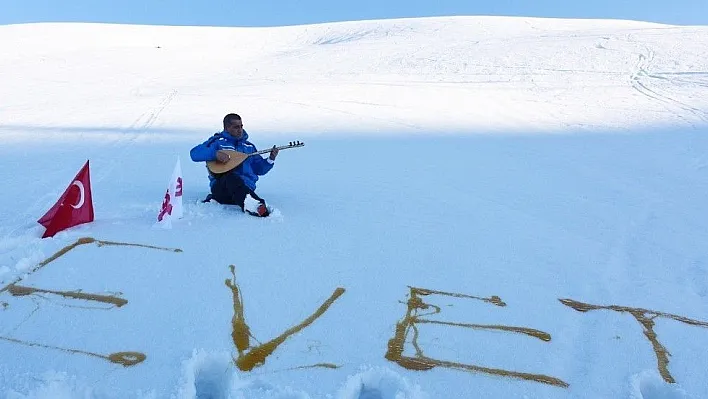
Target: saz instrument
[[236, 158]]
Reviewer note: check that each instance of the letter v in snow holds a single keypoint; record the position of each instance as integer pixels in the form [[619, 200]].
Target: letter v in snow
[[74, 207], [172, 202]]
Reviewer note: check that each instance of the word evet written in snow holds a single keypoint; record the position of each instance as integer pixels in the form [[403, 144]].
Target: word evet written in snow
[[418, 312]]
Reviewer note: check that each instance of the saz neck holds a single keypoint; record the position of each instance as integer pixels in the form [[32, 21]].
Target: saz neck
[[283, 147]]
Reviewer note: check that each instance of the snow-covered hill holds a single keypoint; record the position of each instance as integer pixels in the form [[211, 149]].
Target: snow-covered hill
[[484, 207], [413, 75]]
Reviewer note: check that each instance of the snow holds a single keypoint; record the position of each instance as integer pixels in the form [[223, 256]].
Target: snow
[[447, 160]]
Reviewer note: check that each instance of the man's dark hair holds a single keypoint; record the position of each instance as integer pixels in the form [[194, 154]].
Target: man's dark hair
[[229, 119]]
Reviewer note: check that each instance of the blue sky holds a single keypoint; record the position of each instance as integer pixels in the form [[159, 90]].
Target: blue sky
[[293, 12]]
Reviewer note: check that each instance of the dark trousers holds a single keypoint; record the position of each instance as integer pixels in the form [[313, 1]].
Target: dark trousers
[[230, 189]]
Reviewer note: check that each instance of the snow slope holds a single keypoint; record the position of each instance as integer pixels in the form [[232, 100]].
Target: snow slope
[[452, 166]]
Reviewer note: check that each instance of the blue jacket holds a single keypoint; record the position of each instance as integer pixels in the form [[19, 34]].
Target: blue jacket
[[249, 170]]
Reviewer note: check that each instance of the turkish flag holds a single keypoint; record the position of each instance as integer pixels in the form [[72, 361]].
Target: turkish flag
[[74, 207]]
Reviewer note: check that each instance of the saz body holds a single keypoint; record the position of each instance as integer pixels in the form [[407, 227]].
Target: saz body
[[236, 158]]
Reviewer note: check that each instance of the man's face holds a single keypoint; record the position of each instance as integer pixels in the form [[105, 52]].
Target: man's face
[[235, 128]]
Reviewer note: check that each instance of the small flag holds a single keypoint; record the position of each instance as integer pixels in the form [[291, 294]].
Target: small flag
[[172, 203], [74, 207]]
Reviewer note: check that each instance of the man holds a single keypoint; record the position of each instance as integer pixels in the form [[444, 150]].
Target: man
[[232, 187]]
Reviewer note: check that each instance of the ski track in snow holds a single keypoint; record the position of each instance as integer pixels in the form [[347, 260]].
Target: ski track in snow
[[140, 126], [641, 78]]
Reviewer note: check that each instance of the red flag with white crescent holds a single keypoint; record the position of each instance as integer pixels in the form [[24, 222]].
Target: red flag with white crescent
[[74, 207]]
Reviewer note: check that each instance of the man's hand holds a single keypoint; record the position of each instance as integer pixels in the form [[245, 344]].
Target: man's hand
[[222, 156], [273, 153]]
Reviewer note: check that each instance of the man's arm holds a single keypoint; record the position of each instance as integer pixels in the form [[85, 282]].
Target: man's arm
[[261, 165], [204, 152]]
